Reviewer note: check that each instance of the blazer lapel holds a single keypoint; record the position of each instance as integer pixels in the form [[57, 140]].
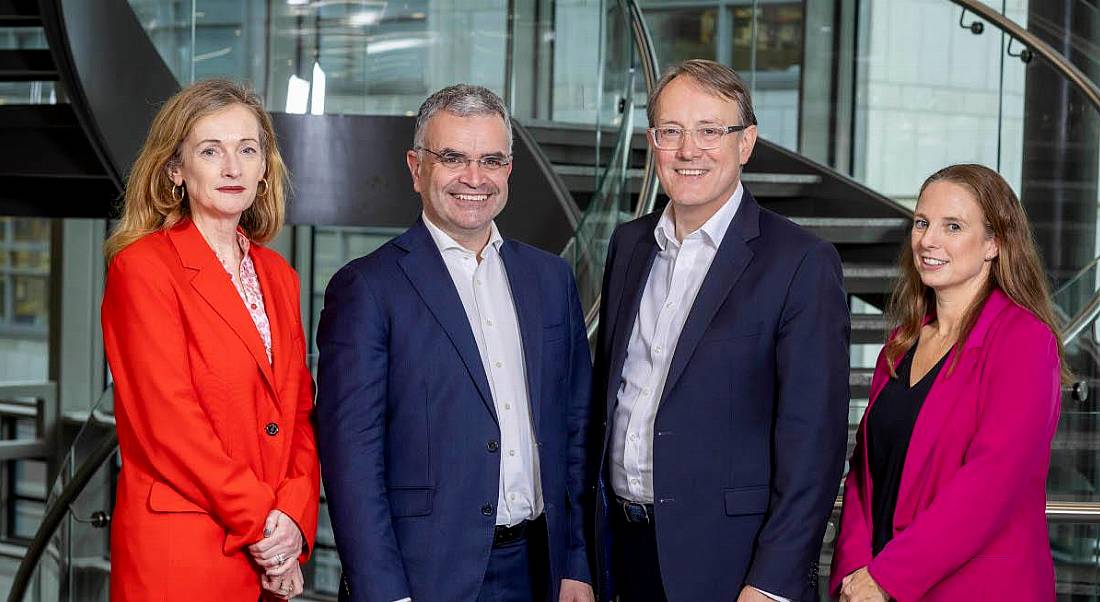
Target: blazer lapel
[[276, 300], [729, 263], [526, 295], [630, 299], [942, 399], [213, 284], [424, 268]]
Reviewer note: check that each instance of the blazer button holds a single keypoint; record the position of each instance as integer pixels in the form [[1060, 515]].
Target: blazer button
[[271, 429], [487, 509], [492, 445]]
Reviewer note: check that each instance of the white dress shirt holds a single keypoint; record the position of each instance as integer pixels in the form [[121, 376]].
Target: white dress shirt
[[674, 280], [487, 298]]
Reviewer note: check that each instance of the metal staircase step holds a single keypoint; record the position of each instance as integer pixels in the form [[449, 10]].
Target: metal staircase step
[[19, 13], [859, 382], [868, 329], [869, 278], [57, 195], [27, 65], [856, 229], [45, 141]]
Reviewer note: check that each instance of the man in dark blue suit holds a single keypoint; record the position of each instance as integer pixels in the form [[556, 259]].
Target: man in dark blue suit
[[721, 371], [453, 390]]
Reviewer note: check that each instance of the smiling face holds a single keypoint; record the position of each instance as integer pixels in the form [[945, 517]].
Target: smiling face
[[462, 202], [952, 247], [700, 181], [221, 163]]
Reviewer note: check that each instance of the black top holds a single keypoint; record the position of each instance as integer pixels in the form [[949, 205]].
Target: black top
[[889, 428]]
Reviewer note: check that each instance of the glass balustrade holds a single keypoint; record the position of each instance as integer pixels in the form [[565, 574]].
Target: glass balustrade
[[75, 565]]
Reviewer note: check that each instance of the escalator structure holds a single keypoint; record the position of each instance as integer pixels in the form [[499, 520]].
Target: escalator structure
[[68, 158]]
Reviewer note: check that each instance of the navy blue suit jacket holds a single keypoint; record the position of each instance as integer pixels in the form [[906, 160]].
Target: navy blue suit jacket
[[405, 419], [751, 428]]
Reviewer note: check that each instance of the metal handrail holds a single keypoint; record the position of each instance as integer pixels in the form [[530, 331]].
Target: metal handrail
[[1045, 51], [647, 196], [651, 70], [1089, 313], [57, 513]]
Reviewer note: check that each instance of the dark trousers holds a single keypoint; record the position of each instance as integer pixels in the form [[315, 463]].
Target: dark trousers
[[519, 571], [634, 566]]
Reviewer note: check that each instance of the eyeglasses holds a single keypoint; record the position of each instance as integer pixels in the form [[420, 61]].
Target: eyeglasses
[[706, 137], [457, 161]]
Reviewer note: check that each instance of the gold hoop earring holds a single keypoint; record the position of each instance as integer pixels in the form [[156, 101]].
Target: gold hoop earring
[[266, 187], [182, 195]]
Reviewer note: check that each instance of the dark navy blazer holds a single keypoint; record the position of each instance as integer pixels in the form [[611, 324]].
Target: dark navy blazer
[[407, 430], [750, 433]]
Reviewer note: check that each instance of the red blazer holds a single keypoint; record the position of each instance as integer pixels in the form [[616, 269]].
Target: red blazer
[[212, 436], [970, 522]]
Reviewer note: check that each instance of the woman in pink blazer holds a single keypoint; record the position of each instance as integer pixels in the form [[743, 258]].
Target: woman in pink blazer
[[945, 499]]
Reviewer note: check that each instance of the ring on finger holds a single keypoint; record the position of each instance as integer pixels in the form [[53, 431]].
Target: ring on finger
[[280, 558]]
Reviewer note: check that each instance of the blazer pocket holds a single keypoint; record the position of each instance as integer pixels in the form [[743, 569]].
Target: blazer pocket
[[747, 500], [162, 498], [410, 501]]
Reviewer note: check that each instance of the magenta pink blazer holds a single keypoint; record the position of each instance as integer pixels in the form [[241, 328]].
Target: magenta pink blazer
[[970, 522]]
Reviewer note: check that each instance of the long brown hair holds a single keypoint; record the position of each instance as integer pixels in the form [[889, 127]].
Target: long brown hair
[[150, 204], [1016, 270]]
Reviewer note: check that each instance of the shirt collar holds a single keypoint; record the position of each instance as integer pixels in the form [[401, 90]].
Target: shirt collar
[[243, 242], [444, 242], [714, 230]]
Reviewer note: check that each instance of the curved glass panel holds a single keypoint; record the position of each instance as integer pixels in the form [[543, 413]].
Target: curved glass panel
[[76, 563]]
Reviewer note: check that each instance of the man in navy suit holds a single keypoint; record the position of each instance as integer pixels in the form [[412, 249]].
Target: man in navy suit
[[721, 371], [453, 390]]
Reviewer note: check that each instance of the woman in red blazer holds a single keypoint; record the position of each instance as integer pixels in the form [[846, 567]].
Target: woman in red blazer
[[218, 493], [945, 498]]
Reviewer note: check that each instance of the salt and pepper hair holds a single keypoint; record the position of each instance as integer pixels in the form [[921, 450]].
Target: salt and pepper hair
[[461, 100]]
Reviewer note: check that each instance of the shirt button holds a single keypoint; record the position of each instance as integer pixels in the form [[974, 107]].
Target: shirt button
[[633, 436], [488, 322], [492, 445], [633, 481], [499, 364], [487, 510], [507, 406], [658, 349], [271, 429], [511, 452], [253, 306], [645, 392], [477, 282], [512, 496]]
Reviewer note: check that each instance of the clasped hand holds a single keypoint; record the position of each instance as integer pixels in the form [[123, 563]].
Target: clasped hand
[[861, 587], [277, 553]]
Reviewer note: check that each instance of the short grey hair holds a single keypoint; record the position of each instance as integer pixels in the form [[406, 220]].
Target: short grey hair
[[462, 100], [713, 77]]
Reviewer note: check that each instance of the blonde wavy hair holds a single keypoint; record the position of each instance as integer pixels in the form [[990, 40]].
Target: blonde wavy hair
[[150, 205]]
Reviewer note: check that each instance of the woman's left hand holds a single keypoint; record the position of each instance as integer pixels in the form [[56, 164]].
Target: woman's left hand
[[861, 587], [282, 543], [286, 586]]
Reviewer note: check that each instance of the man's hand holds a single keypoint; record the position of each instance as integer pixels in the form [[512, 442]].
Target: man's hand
[[282, 543], [288, 585], [576, 591], [751, 594], [861, 587]]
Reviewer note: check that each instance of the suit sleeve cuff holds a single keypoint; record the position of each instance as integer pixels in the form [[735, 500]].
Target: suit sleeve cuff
[[771, 595]]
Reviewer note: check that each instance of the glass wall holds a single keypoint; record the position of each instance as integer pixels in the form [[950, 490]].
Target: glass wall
[[761, 39], [24, 299]]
